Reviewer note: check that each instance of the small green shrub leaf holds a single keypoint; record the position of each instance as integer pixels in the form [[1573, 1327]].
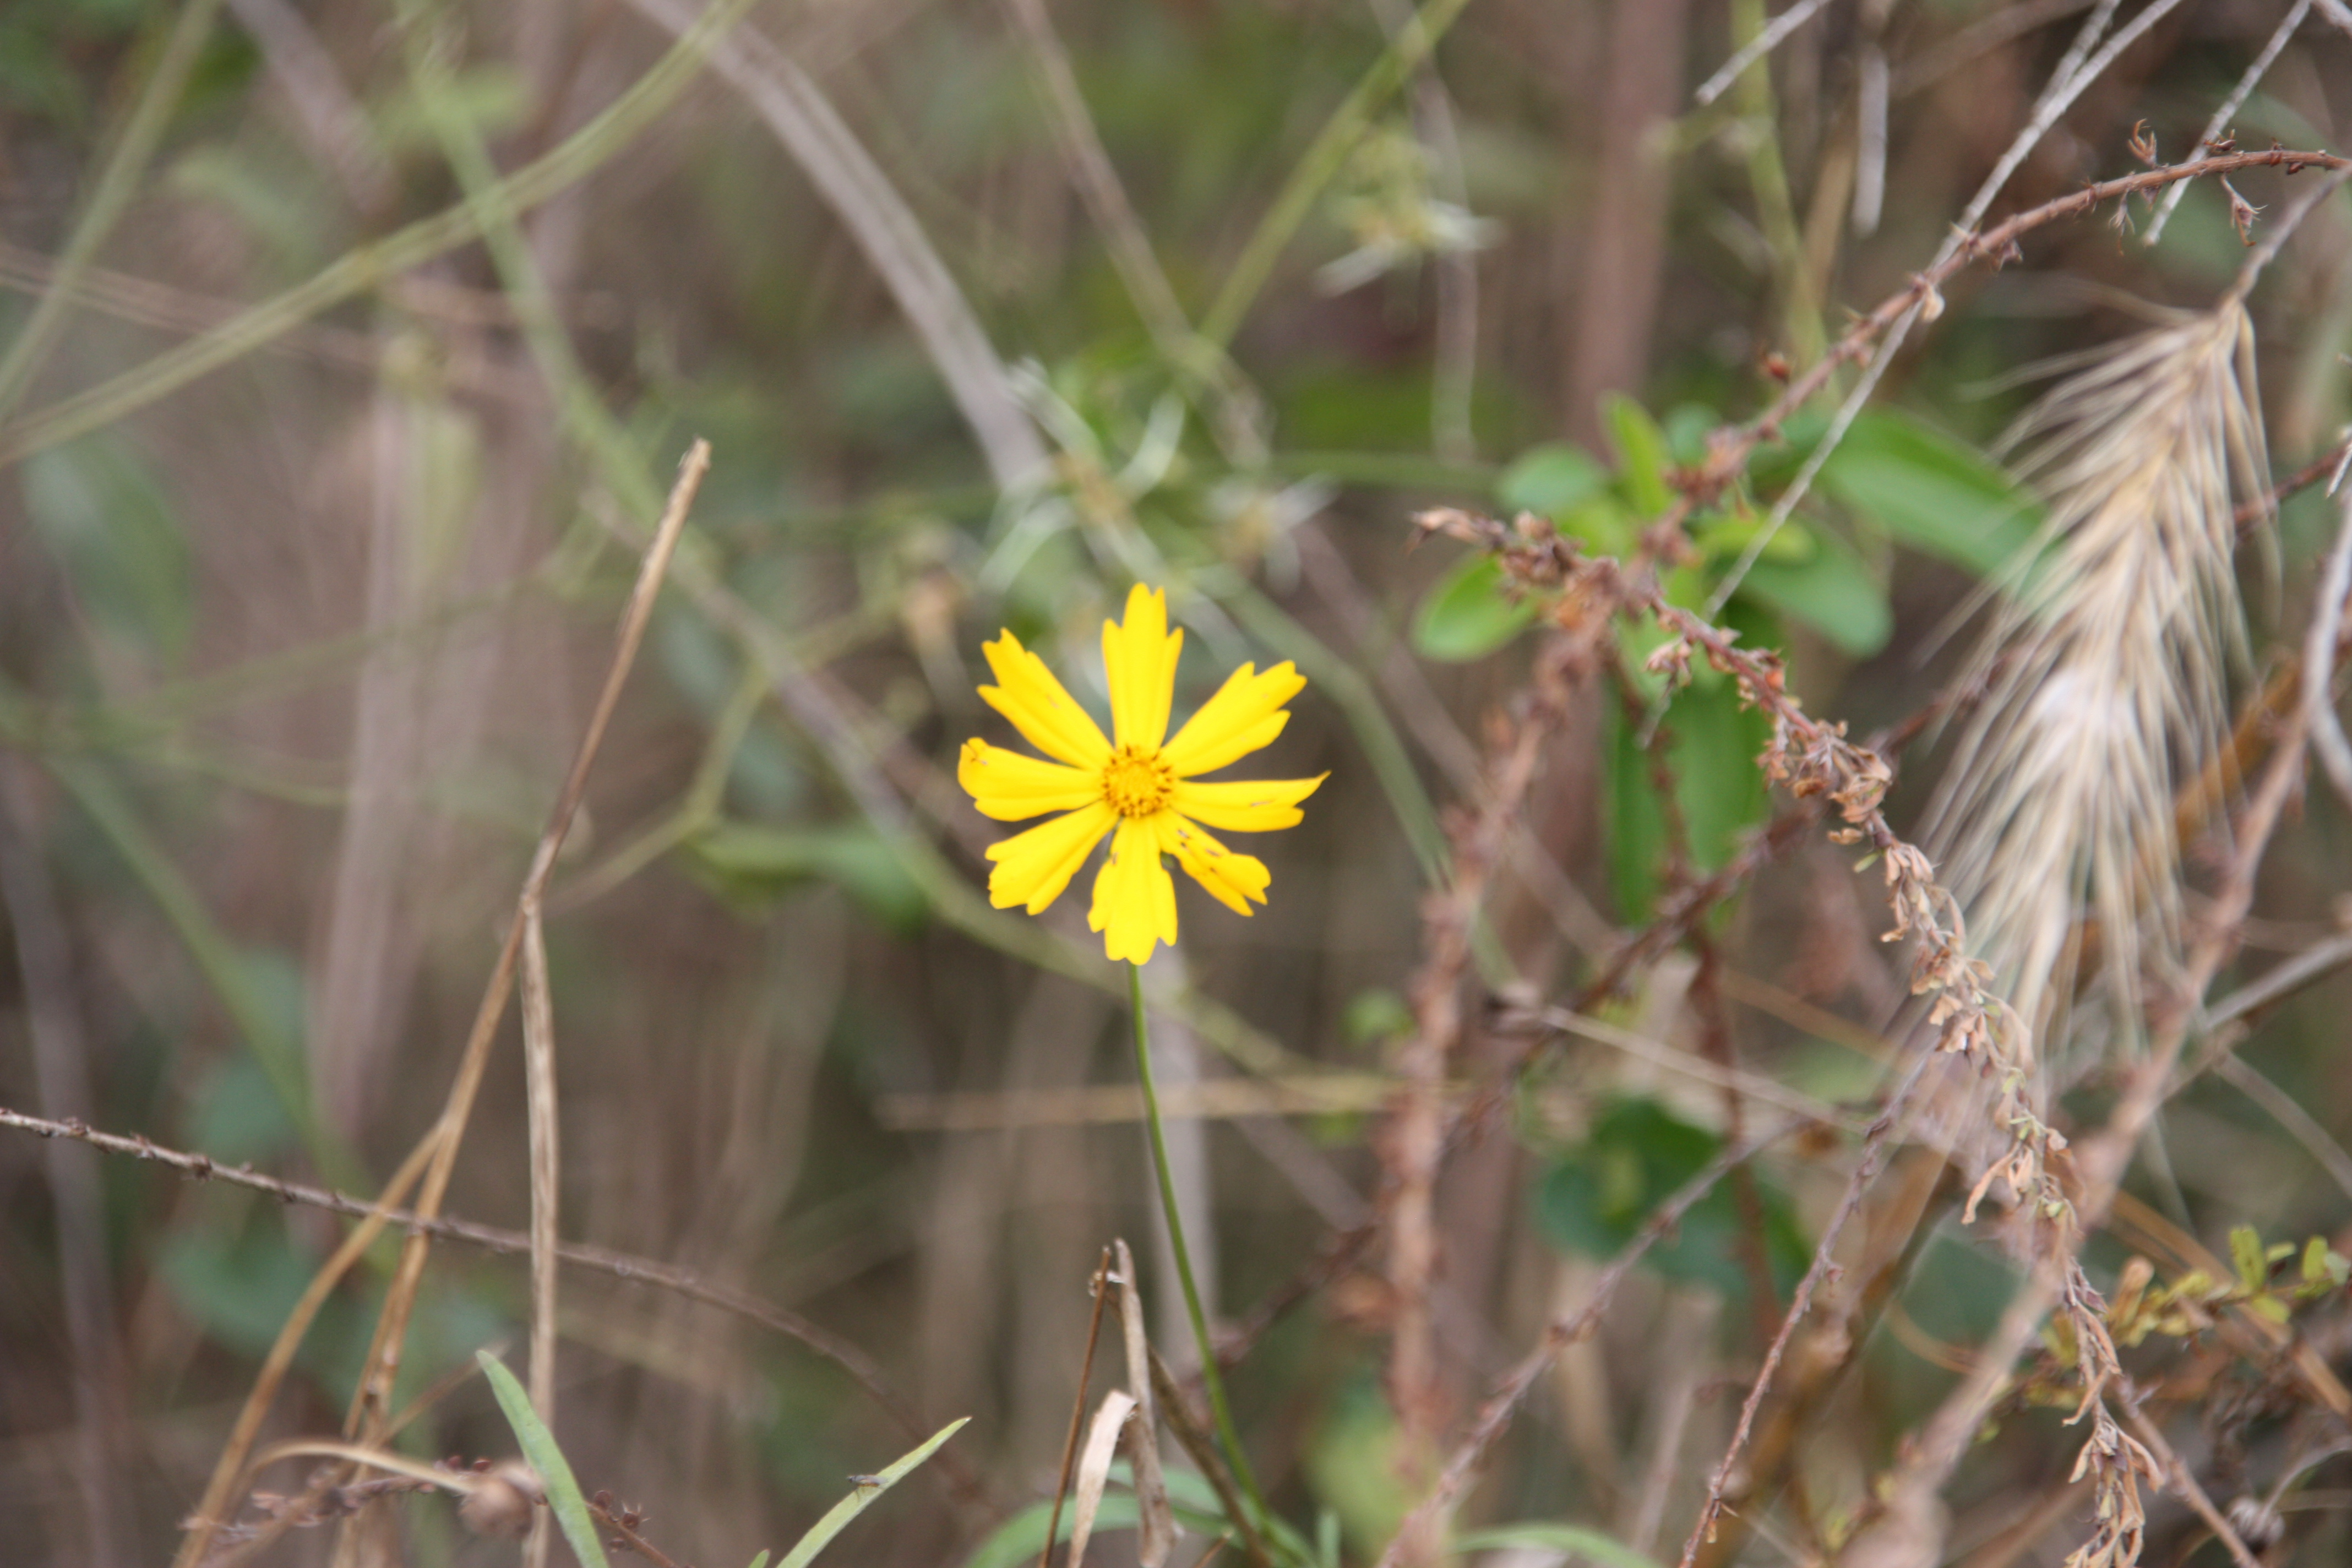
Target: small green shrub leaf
[[1642, 448], [1711, 745], [1930, 492], [1551, 480], [1635, 1157], [1466, 615], [2248, 1257], [1833, 593]]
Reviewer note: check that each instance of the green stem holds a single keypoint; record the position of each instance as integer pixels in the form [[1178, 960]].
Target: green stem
[[1322, 161], [1209, 1377], [356, 271], [117, 184]]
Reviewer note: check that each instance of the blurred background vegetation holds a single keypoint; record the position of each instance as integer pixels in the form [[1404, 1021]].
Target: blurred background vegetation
[[317, 517]]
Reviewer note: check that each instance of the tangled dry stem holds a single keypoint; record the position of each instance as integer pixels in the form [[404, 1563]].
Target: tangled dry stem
[[2058, 1194], [1826, 771]]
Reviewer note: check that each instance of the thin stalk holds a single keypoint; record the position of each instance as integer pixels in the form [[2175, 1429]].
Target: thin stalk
[[1323, 158], [1209, 1377], [117, 184]]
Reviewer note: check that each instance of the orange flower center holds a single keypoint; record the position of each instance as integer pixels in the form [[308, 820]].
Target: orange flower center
[[1136, 783]]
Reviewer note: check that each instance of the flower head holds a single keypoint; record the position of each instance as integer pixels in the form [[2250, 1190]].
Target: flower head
[[1139, 786]]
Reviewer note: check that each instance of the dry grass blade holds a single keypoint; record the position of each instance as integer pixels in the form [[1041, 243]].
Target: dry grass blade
[[374, 1401], [1100, 1287], [1155, 1520], [428, 1165], [1093, 1470], [539, 1064], [207, 1517], [2113, 641]]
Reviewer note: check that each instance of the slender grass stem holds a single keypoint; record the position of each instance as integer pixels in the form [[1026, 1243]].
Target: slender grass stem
[[1209, 1377]]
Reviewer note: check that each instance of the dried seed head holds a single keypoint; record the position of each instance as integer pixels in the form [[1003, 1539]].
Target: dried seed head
[[501, 1502]]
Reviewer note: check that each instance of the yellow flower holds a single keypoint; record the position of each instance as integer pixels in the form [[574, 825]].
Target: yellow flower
[[1139, 786]]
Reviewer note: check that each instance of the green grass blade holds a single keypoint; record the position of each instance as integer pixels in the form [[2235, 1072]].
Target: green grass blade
[[587, 149], [571, 1508], [215, 955], [822, 1532], [1321, 161]]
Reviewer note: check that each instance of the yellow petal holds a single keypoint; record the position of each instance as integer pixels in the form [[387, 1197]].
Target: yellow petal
[[1140, 663], [1231, 880], [1032, 868], [1245, 714], [1011, 787], [1135, 902], [1047, 717], [1249, 805]]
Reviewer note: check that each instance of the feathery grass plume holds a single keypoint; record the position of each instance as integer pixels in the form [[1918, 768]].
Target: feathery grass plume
[[2105, 667]]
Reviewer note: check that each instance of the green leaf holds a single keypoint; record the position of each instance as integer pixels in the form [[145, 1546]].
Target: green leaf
[[2247, 1255], [1637, 1154], [753, 864], [1375, 1015], [1016, 1541], [563, 1498], [1722, 536], [1352, 1464], [115, 534], [1833, 593], [821, 1533], [1466, 617], [1605, 1550], [1549, 480], [1930, 492], [234, 1114], [1629, 805], [1711, 744], [760, 1561], [1688, 425], [1603, 526], [240, 1289], [1641, 450]]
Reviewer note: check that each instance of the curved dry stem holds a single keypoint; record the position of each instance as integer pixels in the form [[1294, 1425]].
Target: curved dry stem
[[1495, 1416]]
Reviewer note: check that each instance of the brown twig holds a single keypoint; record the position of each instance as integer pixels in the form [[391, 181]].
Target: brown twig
[[428, 1166], [1340, 1251], [1193, 1436], [1413, 1143], [1101, 1287], [1815, 760], [635, 1269], [1929, 1460], [546, 1184], [372, 1404], [2181, 1479], [623, 1522], [1504, 1401], [1730, 449], [2261, 507]]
